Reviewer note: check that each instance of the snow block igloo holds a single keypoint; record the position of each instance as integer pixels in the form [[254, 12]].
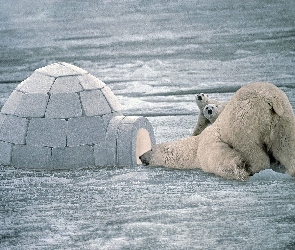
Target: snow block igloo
[[62, 117]]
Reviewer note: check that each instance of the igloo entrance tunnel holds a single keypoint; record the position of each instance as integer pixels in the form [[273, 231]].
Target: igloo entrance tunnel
[[62, 117]]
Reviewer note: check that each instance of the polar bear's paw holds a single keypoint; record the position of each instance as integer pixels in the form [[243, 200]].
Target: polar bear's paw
[[236, 168]]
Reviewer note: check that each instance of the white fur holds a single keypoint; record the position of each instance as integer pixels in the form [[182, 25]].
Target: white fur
[[202, 101], [257, 123], [212, 111]]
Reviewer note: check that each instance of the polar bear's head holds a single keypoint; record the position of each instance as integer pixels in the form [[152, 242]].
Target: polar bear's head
[[202, 100], [211, 112], [158, 155]]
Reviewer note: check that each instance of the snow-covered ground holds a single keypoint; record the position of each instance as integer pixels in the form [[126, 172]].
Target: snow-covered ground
[[155, 56]]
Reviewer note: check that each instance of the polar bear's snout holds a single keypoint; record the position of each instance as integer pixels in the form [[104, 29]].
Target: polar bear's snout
[[145, 158], [209, 109], [201, 97]]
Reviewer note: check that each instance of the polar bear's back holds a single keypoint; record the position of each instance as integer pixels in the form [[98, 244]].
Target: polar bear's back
[[253, 121], [252, 109], [264, 92]]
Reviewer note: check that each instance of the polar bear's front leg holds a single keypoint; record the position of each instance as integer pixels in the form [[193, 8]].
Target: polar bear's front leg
[[202, 123], [257, 157]]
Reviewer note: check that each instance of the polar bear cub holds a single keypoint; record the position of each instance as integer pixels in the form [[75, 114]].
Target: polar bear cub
[[212, 111], [202, 101]]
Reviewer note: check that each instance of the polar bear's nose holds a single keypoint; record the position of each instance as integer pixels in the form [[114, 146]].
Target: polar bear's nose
[[144, 160], [199, 97], [209, 111]]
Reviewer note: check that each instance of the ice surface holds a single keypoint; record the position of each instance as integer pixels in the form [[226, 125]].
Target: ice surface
[[155, 56]]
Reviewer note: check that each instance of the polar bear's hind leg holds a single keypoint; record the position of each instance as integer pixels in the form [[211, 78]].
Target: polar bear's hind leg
[[225, 162]]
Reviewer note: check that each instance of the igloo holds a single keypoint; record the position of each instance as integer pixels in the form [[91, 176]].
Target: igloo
[[62, 117]]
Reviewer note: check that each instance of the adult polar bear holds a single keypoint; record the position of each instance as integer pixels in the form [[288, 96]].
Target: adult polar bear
[[256, 125]]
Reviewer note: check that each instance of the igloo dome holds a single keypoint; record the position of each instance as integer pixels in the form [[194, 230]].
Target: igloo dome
[[63, 117]]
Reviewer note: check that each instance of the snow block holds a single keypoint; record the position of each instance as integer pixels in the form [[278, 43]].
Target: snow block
[[135, 137], [5, 155], [66, 84], [64, 105], [32, 105], [100, 152], [111, 140], [36, 83], [12, 103], [94, 103], [108, 117], [2, 120], [72, 157], [74, 68], [57, 70], [127, 138], [25, 105], [24, 156], [90, 82], [47, 132], [112, 99], [85, 131], [13, 129]]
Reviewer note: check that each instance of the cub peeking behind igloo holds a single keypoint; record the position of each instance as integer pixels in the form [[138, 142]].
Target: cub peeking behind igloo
[[203, 101], [257, 124]]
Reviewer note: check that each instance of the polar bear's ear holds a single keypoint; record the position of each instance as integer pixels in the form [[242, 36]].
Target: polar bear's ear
[[277, 106]]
